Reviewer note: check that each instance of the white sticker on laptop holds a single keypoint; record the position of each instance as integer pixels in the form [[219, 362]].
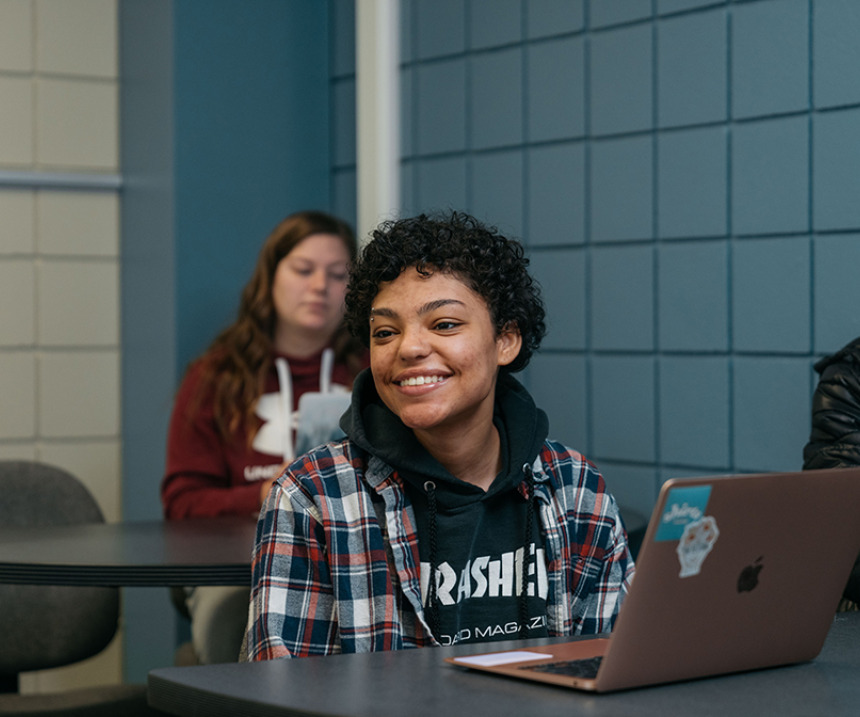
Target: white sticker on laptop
[[501, 658], [684, 520], [696, 542]]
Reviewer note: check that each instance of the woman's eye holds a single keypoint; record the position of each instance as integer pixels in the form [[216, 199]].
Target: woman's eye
[[446, 325], [382, 334]]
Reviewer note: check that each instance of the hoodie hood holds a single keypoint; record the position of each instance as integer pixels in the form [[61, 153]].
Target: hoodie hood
[[522, 427]]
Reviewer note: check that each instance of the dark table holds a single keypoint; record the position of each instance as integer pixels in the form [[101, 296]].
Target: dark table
[[418, 684], [206, 551]]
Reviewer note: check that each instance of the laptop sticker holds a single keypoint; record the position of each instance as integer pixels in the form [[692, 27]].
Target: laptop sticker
[[683, 506], [696, 542], [502, 658]]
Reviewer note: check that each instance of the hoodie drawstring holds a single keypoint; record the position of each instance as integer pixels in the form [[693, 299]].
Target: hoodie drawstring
[[286, 395], [530, 510], [326, 368], [432, 601], [285, 382]]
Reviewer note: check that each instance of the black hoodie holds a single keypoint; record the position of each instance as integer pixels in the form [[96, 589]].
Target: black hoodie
[[473, 538]]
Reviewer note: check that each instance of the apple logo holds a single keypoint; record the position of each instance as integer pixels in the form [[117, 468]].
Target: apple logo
[[748, 579]]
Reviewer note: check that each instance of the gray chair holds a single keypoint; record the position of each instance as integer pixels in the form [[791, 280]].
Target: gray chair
[[43, 627]]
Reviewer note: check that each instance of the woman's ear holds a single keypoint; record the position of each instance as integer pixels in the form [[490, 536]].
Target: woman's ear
[[508, 343]]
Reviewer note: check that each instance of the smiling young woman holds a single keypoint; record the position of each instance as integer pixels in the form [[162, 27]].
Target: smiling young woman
[[446, 514]]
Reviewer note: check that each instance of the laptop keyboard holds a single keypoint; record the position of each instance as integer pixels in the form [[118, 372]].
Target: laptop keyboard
[[586, 668]]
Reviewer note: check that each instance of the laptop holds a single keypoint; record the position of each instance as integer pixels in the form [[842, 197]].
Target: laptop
[[735, 573]]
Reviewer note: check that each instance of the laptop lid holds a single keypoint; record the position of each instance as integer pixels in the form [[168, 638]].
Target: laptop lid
[[735, 573]]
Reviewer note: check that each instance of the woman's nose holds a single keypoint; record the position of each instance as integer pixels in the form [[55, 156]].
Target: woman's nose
[[319, 281], [413, 344]]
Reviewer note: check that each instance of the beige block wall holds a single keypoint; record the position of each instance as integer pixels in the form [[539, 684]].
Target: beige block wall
[[59, 258]]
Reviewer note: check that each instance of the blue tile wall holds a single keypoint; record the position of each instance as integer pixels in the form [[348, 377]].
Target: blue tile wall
[[691, 69], [343, 123], [556, 204], [440, 106], [343, 37], [553, 17], [691, 183], [685, 175], [407, 27], [622, 191], [836, 171], [556, 109], [496, 192], [407, 126], [624, 429], [770, 57], [693, 297], [496, 99], [561, 274], [837, 291], [770, 176], [695, 411], [622, 298], [618, 11], [771, 413], [342, 186], [771, 295], [344, 201], [558, 384], [441, 183], [622, 79], [669, 6], [439, 27], [409, 203], [835, 48], [495, 22]]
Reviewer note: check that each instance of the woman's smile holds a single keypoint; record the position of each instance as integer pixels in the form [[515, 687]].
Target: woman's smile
[[434, 353]]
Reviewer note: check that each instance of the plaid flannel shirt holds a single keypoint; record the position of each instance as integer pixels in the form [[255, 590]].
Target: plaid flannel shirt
[[336, 566]]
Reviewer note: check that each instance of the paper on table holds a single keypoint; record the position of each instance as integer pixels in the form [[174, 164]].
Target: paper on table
[[501, 658]]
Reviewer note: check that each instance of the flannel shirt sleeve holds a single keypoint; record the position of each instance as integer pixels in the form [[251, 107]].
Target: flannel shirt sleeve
[[597, 564], [292, 611], [611, 568]]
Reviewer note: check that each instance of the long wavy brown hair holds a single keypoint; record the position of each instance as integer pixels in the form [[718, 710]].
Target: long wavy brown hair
[[235, 366]]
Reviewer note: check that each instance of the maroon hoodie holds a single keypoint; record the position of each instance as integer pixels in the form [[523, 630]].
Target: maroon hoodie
[[206, 475]]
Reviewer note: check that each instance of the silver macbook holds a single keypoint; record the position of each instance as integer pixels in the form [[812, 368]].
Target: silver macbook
[[735, 573]]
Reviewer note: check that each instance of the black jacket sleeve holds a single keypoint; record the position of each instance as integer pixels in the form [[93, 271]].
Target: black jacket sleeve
[[834, 440]]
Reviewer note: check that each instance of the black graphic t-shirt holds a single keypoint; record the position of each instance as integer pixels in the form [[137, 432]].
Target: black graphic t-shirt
[[480, 549], [480, 537]]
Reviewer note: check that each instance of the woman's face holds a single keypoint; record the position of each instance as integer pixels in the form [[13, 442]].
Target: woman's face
[[434, 353], [309, 286]]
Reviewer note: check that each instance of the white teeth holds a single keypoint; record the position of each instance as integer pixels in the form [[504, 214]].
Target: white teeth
[[420, 380]]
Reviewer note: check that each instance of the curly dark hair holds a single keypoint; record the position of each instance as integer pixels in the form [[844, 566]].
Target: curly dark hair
[[492, 265]]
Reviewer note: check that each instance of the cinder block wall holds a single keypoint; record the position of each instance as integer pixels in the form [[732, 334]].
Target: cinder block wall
[[59, 256]]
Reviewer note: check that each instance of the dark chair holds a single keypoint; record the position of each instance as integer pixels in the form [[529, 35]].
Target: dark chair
[[636, 524], [44, 627]]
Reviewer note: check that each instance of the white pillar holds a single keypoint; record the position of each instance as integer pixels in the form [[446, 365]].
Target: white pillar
[[377, 28]]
